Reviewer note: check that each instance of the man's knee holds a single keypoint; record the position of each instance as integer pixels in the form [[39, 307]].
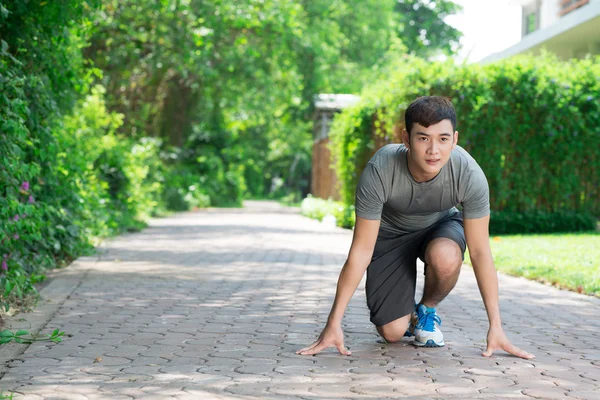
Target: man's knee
[[394, 331], [444, 256]]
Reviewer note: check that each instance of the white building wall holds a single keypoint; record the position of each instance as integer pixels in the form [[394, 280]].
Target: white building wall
[[572, 35], [549, 12]]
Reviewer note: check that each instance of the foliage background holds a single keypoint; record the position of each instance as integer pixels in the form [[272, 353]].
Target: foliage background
[[114, 111]]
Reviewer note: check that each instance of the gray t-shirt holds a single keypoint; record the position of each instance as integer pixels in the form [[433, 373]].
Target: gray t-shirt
[[387, 191]]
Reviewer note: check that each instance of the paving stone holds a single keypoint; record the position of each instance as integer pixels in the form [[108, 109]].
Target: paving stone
[[549, 394], [501, 392], [584, 395], [264, 369], [452, 390], [493, 381], [248, 389], [375, 390], [84, 378], [30, 397]]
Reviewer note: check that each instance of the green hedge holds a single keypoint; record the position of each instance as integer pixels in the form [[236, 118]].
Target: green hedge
[[531, 123], [506, 222]]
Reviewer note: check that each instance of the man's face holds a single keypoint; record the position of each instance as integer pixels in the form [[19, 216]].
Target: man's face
[[429, 148]]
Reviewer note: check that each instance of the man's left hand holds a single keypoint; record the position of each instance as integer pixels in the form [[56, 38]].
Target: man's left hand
[[497, 340]]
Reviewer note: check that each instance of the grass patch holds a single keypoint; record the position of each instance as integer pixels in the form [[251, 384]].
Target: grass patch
[[570, 261]]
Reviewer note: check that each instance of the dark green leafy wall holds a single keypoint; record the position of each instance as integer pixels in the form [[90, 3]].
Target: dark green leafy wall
[[66, 177]]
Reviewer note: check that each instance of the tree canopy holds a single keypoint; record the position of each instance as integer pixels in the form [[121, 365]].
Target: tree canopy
[[240, 77]]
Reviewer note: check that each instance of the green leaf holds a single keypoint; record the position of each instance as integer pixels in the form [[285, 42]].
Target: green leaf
[[16, 150], [6, 333], [21, 332], [4, 12], [73, 230], [6, 340], [8, 287]]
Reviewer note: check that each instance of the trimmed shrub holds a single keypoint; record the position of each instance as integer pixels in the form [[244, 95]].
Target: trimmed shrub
[[506, 222], [316, 208]]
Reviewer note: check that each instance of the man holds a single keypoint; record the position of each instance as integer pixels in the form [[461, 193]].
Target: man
[[405, 208]]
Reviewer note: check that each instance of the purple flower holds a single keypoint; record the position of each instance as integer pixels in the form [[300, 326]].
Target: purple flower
[[16, 237], [25, 186], [590, 98], [16, 217], [31, 200], [4, 265], [23, 215]]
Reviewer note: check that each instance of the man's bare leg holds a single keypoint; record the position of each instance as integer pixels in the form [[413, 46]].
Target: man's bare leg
[[443, 258], [394, 331]]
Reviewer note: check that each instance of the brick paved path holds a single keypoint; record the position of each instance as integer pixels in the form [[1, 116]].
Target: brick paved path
[[213, 304]]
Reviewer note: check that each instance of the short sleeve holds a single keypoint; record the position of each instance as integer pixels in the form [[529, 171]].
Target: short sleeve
[[476, 200], [370, 194]]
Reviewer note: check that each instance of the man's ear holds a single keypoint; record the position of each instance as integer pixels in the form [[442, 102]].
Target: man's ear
[[455, 139], [405, 138]]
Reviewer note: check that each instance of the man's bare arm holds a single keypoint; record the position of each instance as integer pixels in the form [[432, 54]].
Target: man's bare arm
[[478, 241], [359, 257]]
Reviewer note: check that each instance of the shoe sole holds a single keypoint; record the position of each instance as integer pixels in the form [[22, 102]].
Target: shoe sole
[[430, 343]]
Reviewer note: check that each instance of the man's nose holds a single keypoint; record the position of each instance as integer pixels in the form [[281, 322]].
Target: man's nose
[[433, 147]]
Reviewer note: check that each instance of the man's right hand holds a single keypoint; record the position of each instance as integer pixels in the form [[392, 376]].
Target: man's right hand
[[332, 336], [361, 251]]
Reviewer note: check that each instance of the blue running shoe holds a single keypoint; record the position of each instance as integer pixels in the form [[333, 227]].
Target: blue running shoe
[[427, 327]]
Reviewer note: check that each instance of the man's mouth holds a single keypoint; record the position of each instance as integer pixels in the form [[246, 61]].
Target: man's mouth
[[432, 162]]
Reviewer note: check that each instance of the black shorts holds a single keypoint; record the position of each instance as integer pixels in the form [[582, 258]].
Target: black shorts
[[392, 273]]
